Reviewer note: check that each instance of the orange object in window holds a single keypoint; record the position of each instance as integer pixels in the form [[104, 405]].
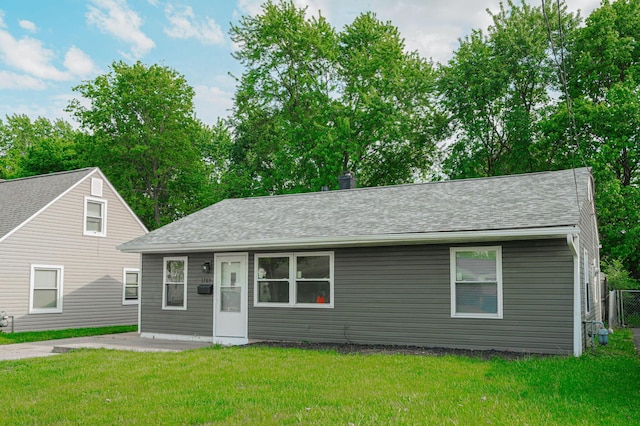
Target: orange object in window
[[320, 299]]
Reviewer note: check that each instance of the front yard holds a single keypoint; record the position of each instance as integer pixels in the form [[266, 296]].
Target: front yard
[[266, 385]]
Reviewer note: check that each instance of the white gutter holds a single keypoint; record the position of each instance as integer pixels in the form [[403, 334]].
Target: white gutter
[[356, 240], [574, 244]]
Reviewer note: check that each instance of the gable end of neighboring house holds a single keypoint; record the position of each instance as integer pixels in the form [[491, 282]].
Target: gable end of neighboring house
[[60, 268]]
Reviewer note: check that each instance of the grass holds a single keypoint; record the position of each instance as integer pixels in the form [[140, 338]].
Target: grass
[[36, 336], [263, 385]]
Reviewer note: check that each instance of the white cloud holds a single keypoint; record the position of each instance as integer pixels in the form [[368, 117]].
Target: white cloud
[[184, 25], [13, 81], [213, 102], [28, 25], [29, 55], [79, 63], [248, 7], [116, 18]]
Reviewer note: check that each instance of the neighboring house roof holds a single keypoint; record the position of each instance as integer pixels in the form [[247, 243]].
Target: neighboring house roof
[[24, 198], [526, 205]]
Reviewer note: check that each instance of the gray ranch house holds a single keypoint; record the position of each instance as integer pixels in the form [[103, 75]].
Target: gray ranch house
[[505, 263], [59, 266]]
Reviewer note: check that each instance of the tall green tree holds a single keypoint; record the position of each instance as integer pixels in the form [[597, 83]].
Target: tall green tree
[[314, 102], [141, 127], [604, 86], [36, 147], [498, 91]]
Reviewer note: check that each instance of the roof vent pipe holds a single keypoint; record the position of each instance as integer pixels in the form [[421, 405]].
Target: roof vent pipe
[[347, 181]]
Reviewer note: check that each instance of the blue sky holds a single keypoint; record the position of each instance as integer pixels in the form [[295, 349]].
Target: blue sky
[[49, 46]]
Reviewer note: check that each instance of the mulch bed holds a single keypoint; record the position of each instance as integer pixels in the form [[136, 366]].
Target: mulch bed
[[350, 348]]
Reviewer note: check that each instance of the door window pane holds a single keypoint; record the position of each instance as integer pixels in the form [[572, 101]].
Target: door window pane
[[230, 299]]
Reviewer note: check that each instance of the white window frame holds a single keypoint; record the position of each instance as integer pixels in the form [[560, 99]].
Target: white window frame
[[59, 295], [184, 259], [293, 288], [454, 313], [126, 301], [102, 201]]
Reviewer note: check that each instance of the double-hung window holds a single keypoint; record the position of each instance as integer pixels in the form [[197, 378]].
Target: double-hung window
[[95, 217], [131, 286], [174, 288], [476, 282], [46, 289], [294, 279]]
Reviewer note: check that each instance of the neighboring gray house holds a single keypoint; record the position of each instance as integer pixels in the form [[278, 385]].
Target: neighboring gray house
[[59, 267], [505, 263]]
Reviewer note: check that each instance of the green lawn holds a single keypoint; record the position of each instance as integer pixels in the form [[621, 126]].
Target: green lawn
[[36, 336], [261, 385]]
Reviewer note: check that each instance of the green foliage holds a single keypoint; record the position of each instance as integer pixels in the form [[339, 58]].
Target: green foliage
[[140, 130], [604, 82], [497, 90], [36, 147], [618, 277], [314, 102], [257, 385]]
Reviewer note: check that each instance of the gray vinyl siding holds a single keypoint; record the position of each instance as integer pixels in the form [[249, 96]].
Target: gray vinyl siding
[[589, 241], [401, 296], [197, 319], [93, 268], [397, 295]]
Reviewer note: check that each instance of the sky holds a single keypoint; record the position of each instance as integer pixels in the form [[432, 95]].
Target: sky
[[49, 46]]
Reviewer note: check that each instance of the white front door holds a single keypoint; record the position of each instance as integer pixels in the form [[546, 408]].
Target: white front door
[[230, 307]]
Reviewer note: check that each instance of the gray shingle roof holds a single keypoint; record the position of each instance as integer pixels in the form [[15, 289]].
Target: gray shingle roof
[[22, 198], [527, 201]]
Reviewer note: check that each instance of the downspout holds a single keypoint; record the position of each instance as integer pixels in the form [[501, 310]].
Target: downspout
[[574, 243]]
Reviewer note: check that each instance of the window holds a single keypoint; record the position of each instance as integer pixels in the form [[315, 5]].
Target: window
[[294, 279], [476, 282], [95, 217], [131, 286], [46, 289], [585, 277], [174, 289]]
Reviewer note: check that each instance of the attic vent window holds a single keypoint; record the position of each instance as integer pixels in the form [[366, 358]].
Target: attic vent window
[[96, 187]]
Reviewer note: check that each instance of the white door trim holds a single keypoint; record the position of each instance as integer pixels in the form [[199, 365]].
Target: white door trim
[[224, 340]]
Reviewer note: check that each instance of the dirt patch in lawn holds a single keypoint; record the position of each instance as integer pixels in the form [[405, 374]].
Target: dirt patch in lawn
[[349, 348]]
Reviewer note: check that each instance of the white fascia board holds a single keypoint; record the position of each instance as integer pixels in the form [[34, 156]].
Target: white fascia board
[[358, 240]]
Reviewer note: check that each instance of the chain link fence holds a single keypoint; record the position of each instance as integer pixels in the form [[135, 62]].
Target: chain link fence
[[629, 308]]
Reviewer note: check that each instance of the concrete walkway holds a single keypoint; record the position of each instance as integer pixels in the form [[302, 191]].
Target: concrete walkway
[[124, 341]]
